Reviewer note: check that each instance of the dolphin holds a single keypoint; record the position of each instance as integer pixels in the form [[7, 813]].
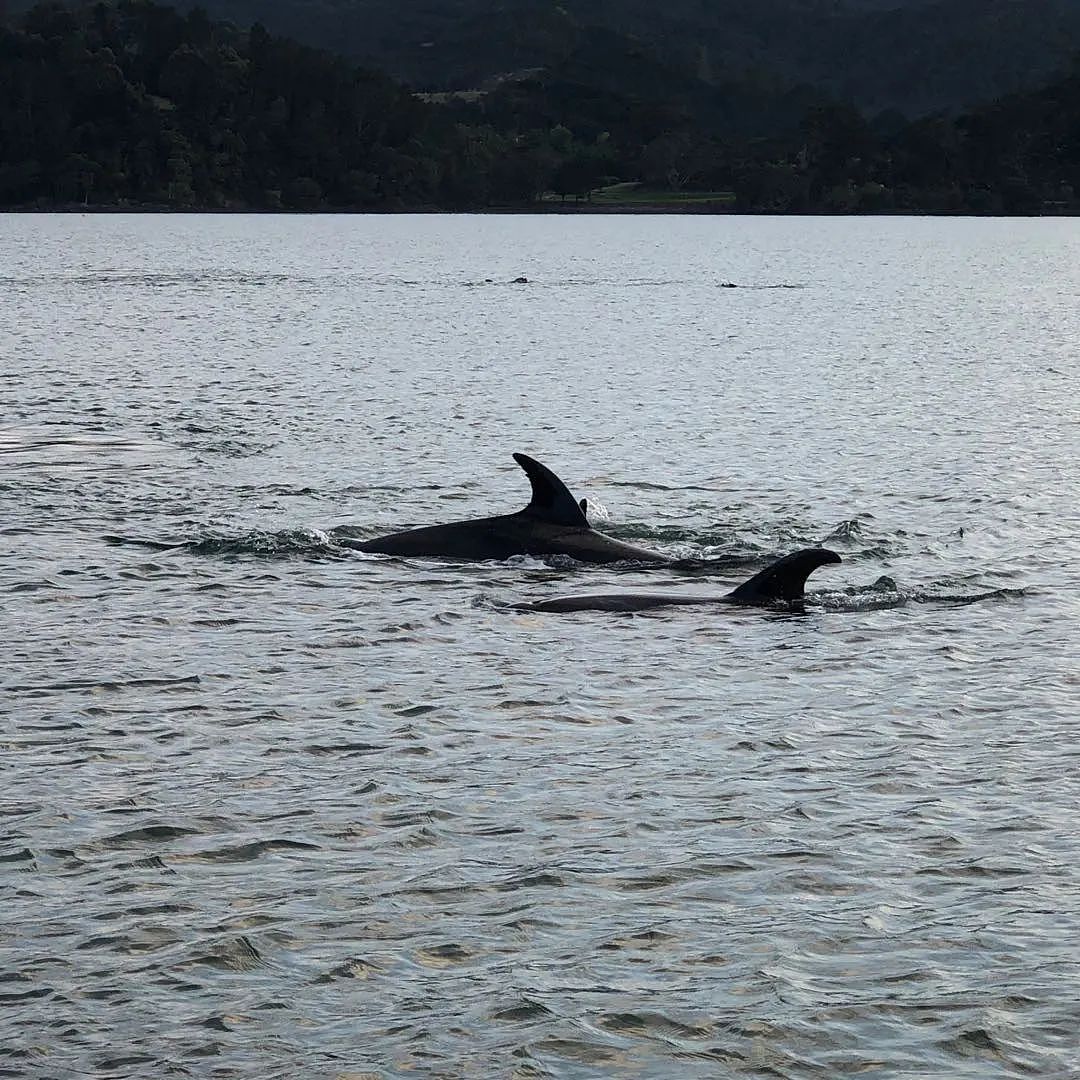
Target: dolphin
[[781, 583], [554, 523]]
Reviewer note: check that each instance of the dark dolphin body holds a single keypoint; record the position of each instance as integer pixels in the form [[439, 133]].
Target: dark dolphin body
[[781, 583], [553, 523]]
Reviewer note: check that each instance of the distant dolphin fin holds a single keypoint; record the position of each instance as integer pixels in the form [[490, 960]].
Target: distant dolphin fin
[[551, 500], [785, 579]]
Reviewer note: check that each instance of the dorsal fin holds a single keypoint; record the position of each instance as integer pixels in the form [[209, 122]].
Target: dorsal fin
[[785, 579], [551, 500]]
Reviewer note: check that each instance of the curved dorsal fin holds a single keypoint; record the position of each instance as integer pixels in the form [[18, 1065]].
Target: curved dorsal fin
[[785, 579], [551, 500]]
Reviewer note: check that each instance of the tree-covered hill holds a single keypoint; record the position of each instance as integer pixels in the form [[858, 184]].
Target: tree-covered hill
[[136, 104], [139, 103], [915, 56]]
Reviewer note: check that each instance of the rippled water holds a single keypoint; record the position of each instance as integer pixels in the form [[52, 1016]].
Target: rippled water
[[272, 808]]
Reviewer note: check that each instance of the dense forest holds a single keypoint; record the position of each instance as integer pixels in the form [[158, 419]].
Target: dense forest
[[915, 56], [140, 105]]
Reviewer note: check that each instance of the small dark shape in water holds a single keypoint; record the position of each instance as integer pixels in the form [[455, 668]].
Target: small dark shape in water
[[728, 285], [783, 582], [520, 281]]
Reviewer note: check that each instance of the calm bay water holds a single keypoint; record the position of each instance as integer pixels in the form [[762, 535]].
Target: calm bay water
[[272, 808]]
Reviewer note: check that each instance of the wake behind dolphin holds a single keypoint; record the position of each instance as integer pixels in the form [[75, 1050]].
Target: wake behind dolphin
[[554, 523]]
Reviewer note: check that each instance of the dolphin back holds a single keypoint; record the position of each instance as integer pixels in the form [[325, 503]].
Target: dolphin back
[[551, 499], [784, 579]]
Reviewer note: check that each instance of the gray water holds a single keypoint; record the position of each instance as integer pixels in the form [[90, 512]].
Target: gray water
[[273, 808]]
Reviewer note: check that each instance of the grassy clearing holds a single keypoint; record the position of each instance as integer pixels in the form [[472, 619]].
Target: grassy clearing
[[633, 193]]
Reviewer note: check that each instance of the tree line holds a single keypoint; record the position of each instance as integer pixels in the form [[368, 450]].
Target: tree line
[[136, 104]]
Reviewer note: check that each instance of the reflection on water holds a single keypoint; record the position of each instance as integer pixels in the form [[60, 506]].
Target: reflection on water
[[273, 807]]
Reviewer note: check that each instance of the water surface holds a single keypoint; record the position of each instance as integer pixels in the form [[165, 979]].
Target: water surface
[[272, 808]]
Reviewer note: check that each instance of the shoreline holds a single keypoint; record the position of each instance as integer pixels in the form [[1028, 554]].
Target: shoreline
[[697, 209]]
